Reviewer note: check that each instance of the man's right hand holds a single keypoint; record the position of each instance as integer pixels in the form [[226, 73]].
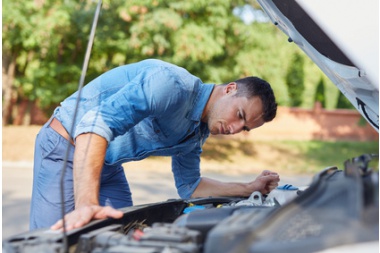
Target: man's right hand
[[82, 216], [90, 150]]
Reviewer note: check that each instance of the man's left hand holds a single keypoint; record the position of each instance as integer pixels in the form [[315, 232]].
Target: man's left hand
[[265, 182]]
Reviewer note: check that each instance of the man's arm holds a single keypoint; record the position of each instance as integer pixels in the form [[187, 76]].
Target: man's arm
[[90, 150], [264, 183]]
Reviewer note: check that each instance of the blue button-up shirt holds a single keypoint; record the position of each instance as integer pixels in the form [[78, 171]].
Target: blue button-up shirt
[[149, 108]]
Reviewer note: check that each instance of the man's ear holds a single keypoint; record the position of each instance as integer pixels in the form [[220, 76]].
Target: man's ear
[[231, 87]]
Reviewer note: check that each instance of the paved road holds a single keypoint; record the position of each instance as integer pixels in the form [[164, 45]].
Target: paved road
[[147, 187]]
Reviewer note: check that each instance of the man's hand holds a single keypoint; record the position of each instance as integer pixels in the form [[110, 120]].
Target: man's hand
[[265, 182], [81, 216], [90, 150]]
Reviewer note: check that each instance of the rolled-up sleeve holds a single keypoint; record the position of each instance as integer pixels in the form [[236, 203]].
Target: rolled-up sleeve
[[186, 170], [145, 95], [116, 114]]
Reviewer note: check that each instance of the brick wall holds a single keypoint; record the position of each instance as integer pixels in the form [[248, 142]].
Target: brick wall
[[316, 124]]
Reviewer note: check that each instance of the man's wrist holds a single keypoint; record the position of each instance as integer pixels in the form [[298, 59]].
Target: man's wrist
[[252, 187], [80, 204], [248, 189]]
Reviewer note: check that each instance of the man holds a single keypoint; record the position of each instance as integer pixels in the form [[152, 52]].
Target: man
[[132, 112]]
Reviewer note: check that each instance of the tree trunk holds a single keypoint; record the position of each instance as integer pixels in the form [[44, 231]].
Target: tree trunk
[[23, 113], [9, 70], [37, 116]]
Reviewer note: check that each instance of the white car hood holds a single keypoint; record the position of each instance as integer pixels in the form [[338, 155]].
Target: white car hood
[[342, 38]]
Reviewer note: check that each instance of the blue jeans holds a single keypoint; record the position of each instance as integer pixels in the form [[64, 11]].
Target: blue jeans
[[49, 156]]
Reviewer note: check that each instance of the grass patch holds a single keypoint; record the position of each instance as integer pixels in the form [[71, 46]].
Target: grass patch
[[245, 156], [299, 157], [317, 155]]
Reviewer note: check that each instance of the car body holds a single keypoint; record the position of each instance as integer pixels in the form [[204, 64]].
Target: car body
[[344, 44], [337, 212]]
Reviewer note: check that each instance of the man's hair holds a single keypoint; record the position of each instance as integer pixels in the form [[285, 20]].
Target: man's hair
[[255, 86]]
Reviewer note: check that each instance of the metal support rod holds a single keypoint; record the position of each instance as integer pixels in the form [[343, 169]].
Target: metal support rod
[[80, 86]]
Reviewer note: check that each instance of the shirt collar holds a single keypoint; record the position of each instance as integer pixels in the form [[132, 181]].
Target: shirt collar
[[200, 102]]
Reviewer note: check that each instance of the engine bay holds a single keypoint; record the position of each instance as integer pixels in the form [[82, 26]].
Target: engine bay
[[339, 207]]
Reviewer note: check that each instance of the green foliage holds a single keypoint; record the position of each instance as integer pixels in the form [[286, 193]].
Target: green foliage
[[48, 39], [312, 76], [320, 93], [295, 80], [343, 102], [42, 36]]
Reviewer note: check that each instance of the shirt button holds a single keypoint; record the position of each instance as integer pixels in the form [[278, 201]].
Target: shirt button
[[157, 131]]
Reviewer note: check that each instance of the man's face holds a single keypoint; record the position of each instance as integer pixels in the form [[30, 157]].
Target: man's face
[[232, 114]]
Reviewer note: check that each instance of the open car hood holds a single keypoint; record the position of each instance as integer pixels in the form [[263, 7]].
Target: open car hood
[[342, 38]]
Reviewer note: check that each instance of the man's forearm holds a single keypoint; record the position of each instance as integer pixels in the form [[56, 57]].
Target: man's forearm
[[210, 187], [89, 156], [265, 183]]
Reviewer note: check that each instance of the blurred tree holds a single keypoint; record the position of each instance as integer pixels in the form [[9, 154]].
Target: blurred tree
[[320, 93], [295, 80], [343, 102], [37, 65], [199, 35], [44, 43]]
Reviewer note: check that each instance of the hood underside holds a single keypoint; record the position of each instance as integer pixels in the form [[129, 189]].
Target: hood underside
[[341, 37]]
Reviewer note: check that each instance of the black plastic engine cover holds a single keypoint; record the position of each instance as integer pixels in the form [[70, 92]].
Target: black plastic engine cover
[[335, 210]]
